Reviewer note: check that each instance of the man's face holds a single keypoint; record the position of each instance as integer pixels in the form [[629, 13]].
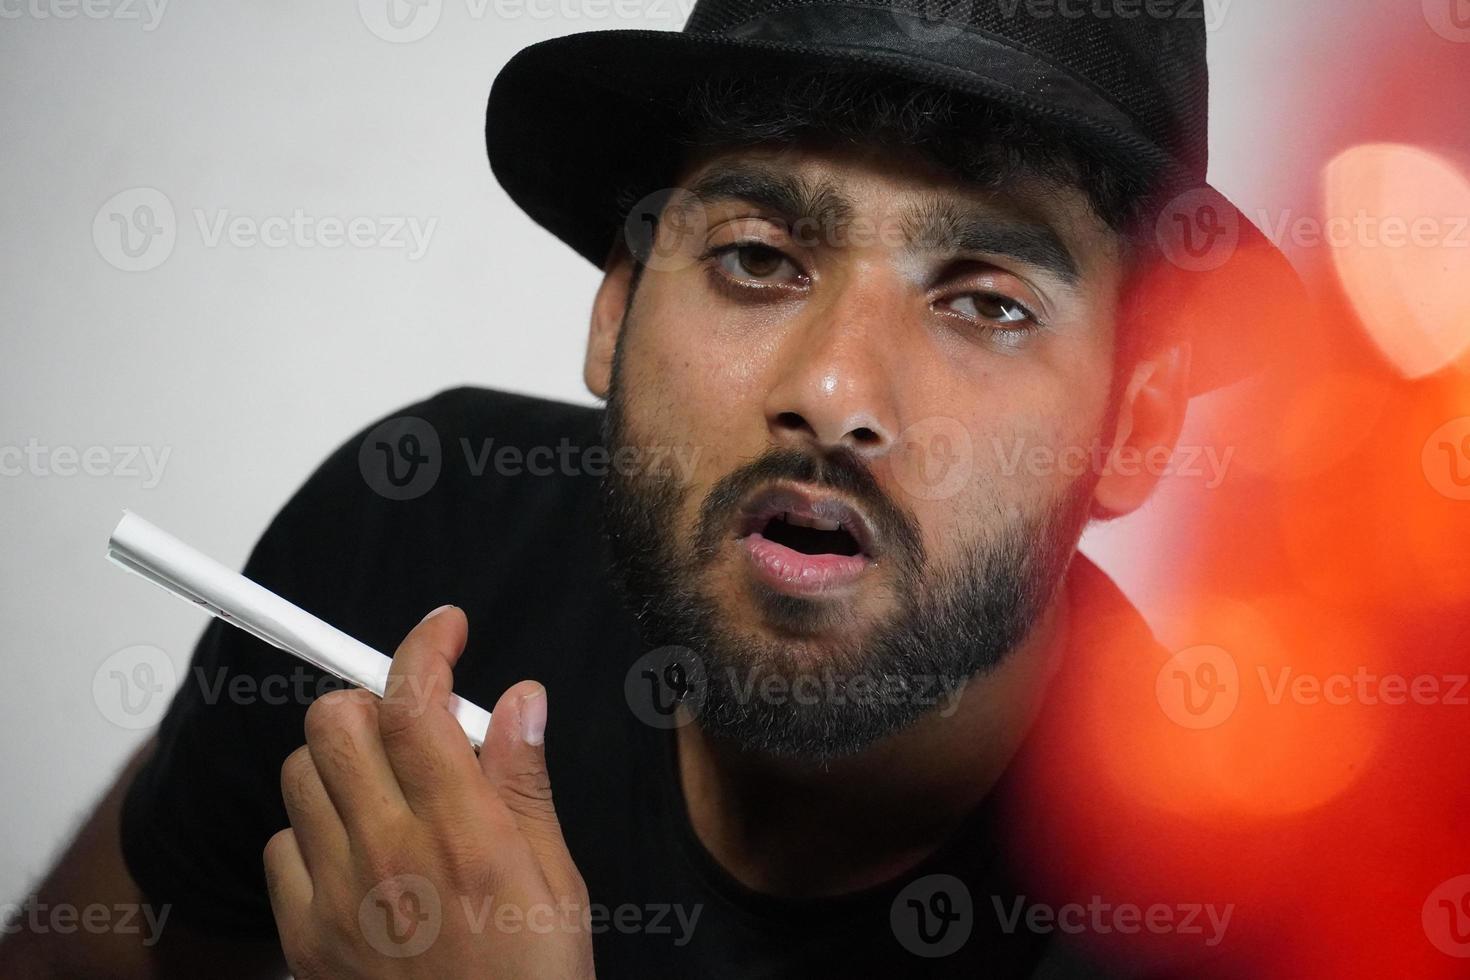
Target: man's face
[[867, 362]]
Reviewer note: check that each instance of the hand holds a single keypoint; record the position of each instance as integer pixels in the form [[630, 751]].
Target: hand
[[409, 857]]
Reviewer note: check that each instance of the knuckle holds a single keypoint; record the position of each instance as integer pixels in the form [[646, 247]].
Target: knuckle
[[530, 785], [332, 712], [383, 847]]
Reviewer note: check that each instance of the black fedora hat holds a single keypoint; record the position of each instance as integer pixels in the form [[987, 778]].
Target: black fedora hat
[[575, 120]]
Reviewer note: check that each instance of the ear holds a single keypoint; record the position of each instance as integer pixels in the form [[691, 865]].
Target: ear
[[1150, 416], [609, 309]]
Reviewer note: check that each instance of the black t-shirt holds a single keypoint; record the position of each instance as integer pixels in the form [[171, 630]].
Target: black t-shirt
[[491, 504]]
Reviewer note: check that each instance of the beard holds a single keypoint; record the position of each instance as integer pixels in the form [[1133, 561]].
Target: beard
[[953, 621]]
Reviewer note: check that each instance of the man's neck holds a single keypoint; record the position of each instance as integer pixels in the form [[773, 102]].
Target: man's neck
[[797, 829]]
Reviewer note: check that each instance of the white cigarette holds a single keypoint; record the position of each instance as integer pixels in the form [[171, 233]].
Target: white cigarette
[[164, 560]]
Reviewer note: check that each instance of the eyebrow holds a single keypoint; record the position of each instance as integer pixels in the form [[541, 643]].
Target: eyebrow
[[792, 197], [936, 225], [943, 225]]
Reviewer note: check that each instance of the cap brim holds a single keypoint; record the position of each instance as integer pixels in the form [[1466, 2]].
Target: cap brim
[[575, 120]]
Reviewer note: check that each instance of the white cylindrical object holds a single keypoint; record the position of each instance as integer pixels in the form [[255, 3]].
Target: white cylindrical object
[[164, 560]]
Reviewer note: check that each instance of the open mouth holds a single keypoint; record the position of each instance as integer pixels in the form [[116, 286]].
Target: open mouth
[[810, 536], [805, 543]]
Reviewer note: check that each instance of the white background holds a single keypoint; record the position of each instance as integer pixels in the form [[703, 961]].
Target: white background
[[248, 364]]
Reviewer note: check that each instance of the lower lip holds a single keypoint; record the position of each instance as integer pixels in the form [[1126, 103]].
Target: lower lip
[[792, 571]]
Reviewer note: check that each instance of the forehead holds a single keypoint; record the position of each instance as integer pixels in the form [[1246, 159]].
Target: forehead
[[841, 182]]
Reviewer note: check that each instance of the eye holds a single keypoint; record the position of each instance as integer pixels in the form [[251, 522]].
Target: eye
[[755, 263], [995, 308]]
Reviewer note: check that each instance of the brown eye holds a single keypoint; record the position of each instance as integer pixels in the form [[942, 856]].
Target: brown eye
[[993, 307], [759, 263]]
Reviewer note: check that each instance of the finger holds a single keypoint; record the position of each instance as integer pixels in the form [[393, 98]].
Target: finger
[[320, 837], [513, 759], [342, 735], [430, 755], [287, 882]]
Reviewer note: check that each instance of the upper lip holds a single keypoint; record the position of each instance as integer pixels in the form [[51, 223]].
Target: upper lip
[[772, 501]]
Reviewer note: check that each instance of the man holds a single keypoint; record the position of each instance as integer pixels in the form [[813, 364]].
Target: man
[[790, 607]]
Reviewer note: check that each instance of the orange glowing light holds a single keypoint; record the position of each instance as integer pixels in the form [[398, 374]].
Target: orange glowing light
[[1398, 225]]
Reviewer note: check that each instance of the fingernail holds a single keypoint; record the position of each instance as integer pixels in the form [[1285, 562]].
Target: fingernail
[[533, 718], [447, 605]]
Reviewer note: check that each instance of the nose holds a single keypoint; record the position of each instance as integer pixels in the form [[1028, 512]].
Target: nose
[[833, 388]]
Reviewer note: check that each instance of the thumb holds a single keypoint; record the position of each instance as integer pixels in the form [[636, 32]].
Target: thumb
[[513, 759]]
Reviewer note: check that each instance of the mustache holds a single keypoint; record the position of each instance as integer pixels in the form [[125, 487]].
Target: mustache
[[841, 470]]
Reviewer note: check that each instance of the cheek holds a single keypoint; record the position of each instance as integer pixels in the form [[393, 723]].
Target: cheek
[[692, 380], [1005, 460]]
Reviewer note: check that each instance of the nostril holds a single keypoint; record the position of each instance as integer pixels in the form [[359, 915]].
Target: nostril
[[791, 420], [865, 436]]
